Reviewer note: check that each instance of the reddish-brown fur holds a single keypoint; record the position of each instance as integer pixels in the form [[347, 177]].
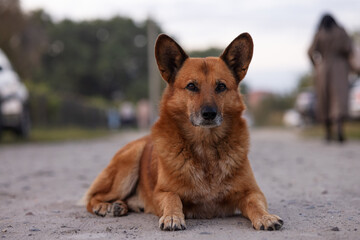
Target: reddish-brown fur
[[186, 168]]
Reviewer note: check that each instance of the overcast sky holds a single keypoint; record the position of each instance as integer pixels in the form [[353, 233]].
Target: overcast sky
[[281, 29]]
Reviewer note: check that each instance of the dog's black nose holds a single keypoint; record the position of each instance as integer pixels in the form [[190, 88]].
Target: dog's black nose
[[208, 113]]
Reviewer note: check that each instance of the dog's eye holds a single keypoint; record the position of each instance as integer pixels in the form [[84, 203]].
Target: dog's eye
[[220, 87], [192, 87]]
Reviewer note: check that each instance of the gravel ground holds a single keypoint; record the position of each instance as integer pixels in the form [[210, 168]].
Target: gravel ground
[[314, 187]]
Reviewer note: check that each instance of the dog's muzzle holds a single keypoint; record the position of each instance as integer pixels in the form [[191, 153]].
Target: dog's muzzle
[[208, 117]]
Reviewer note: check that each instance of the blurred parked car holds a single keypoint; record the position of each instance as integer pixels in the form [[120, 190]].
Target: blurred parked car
[[128, 115], [14, 111], [354, 100]]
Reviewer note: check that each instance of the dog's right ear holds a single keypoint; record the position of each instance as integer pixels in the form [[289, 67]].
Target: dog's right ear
[[169, 57], [238, 54]]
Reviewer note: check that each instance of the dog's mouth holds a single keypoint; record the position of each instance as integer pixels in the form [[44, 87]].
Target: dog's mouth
[[199, 121]]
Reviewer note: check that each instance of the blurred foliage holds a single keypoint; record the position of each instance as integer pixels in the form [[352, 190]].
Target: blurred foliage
[[305, 82], [54, 109], [103, 58], [97, 58], [355, 36], [244, 88], [271, 109], [211, 52]]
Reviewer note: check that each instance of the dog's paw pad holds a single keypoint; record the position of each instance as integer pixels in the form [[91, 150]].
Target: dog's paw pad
[[119, 208], [268, 222], [278, 225], [172, 223]]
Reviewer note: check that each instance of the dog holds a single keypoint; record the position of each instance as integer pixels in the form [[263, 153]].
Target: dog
[[194, 163]]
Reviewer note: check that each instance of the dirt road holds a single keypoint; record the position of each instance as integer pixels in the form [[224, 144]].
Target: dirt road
[[314, 187]]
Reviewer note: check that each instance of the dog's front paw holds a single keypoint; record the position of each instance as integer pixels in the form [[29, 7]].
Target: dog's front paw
[[268, 222], [117, 209], [172, 222], [102, 209]]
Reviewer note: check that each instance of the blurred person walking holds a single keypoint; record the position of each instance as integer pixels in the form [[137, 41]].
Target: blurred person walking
[[329, 53]]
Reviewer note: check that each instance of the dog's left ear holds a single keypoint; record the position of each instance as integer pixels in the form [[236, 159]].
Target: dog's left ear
[[169, 57], [238, 54]]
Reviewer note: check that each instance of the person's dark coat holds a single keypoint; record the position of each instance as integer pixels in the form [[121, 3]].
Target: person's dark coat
[[329, 53]]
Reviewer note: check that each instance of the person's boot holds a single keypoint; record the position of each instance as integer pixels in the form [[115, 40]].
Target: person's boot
[[328, 134], [340, 130]]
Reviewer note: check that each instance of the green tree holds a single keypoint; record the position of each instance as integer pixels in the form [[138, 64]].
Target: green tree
[[306, 81], [210, 52], [104, 58], [271, 109]]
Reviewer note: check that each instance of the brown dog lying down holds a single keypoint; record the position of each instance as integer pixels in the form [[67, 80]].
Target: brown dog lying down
[[194, 163]]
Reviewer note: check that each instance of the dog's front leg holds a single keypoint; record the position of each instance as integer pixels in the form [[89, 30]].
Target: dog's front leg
[[171, 209], [253, 206]]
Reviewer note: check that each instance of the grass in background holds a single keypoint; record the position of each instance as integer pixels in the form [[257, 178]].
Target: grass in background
[[56, 134], [352, 131]]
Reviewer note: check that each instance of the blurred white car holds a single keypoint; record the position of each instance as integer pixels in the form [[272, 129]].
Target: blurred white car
[[305, 106], [14, 112], [354, 100]]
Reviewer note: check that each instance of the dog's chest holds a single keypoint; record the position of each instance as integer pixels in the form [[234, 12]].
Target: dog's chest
[[208, 179]]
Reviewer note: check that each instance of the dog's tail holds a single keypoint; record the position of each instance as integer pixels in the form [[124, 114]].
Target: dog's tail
[[119, 179]]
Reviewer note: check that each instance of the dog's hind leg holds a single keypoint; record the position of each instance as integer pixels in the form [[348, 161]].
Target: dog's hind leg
[[117, 181]]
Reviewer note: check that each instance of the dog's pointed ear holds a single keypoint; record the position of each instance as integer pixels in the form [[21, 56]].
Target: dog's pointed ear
[[169, 57], [238, 54]]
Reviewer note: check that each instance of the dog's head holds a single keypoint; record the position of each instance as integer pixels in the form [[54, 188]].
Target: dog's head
[[203, 90]]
